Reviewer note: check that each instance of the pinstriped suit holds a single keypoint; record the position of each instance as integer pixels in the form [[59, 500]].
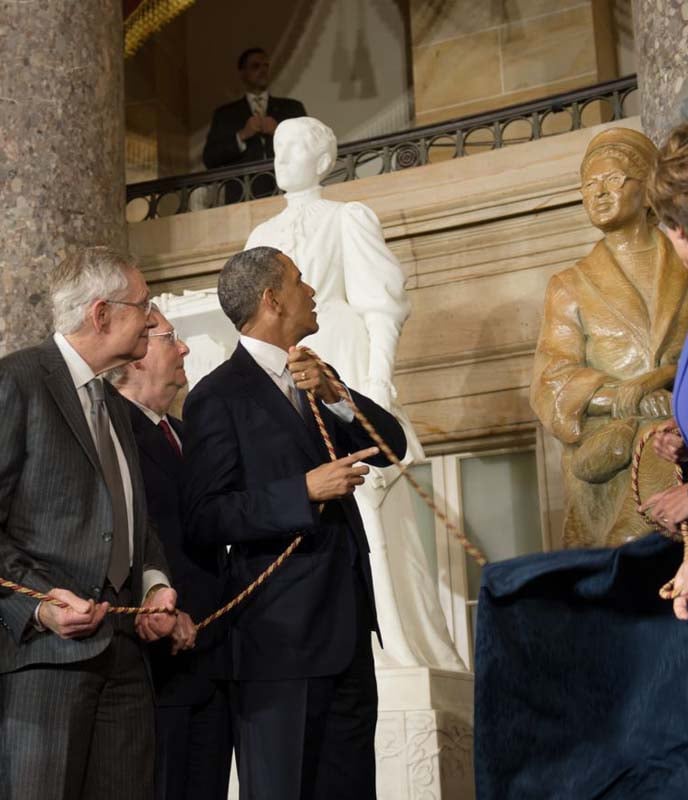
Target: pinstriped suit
[[55, 531]]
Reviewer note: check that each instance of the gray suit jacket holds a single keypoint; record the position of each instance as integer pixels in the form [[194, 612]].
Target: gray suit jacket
[[55, 510]]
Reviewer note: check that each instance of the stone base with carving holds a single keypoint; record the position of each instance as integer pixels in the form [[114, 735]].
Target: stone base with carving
[[424, 741]]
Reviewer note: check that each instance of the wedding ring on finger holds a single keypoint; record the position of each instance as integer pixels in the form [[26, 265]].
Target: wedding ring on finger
[[303, 375]]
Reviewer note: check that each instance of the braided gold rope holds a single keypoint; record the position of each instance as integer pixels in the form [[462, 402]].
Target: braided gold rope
[[46, 598], [668, 591], [470, 548]]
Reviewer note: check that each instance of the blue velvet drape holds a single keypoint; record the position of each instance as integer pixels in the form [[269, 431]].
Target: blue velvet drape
[[582, 677]]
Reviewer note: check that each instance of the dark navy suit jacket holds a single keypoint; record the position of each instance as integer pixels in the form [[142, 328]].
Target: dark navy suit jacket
[[247, 451], [198, 573]]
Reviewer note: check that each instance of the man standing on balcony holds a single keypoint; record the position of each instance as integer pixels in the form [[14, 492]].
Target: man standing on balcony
[[242, 131]]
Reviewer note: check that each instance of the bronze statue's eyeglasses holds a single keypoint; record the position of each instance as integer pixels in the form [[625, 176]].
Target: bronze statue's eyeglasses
[[144, 305], [610, 183], [170, 336]]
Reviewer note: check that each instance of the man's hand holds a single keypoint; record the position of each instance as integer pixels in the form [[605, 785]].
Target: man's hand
[[338, 478], [81, 619], [269, 125], [253, 126], [668, 445], [151, 627], [669, 508], [184, 633], [308, 375]]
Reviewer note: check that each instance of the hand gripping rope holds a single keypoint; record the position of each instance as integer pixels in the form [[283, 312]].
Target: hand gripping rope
[[669, 591], [470, 548]]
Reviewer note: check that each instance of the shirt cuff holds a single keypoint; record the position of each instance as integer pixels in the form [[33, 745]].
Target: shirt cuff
[[151, 577], [341, 409], [240, 144], [36, 622]]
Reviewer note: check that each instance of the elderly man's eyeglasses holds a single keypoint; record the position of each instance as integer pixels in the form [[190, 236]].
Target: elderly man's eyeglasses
[[612, 182], [144, 305], [169, 336]]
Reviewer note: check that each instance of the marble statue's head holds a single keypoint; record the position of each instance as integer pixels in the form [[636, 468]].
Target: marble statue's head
[[305, 151], [614, 175]]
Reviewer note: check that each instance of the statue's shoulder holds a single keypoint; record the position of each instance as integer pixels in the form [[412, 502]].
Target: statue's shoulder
[[360, 213]]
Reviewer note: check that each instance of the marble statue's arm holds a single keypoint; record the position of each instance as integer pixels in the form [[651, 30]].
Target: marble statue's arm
[[374, 283], [563, 385]]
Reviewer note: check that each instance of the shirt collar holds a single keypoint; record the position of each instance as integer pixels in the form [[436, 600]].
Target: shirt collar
[[264, 96], [268, 356], [154, 417], [79, 370]]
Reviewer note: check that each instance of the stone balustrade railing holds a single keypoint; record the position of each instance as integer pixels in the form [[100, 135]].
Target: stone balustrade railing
[[525, 122]]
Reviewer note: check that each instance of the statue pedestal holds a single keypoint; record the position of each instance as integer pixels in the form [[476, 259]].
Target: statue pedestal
[[424, 740]]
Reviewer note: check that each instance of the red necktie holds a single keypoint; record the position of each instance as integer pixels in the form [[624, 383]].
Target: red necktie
[[165, 427]]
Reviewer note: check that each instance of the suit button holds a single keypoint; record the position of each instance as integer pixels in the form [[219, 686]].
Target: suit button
[[95, 591], [107, 536]]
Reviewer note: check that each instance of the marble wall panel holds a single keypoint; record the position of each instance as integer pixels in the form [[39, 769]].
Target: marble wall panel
[[544, 47], [548, 48], [469, 66]]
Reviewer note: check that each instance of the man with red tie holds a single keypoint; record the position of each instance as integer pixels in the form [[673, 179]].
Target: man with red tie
[[193, 731]]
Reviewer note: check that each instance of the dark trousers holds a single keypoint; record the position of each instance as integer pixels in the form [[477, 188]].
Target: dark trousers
[[79, 731], [193, 752], [311, 738]]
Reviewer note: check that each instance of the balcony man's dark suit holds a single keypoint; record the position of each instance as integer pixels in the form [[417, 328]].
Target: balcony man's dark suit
[[222, 149], [193, 729], [304, 637]]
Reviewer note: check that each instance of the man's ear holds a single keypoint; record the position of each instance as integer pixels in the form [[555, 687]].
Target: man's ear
[[99, 315], [270, 300]]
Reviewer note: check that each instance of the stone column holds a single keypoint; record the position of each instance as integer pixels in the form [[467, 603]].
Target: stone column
[[661, 41], [61, 148]]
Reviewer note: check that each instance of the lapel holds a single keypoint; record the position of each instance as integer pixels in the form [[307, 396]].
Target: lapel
[[610, 284], [152, 441], [671, 283], [261, 389], [61, 387]]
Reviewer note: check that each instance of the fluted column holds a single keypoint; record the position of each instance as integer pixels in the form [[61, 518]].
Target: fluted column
[[661, 41], [61, 148]]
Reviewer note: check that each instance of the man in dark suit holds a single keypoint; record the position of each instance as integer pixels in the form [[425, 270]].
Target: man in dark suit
[[242, 131], [76, 717], [258, 473], [193, 733]]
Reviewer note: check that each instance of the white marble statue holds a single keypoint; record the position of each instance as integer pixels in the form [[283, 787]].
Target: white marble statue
[[362, 305]]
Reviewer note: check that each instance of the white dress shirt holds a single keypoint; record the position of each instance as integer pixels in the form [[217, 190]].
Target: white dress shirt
[[273, 360], [81, 374]]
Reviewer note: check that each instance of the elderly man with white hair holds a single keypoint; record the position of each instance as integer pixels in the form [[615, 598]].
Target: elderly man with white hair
[[77, 706]]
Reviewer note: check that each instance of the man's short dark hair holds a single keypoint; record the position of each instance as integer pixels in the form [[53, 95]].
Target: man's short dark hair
[[243, 280], [244, 57]]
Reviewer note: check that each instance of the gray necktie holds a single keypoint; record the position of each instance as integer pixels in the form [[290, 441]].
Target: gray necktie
[[291, 391], [118, 569]]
